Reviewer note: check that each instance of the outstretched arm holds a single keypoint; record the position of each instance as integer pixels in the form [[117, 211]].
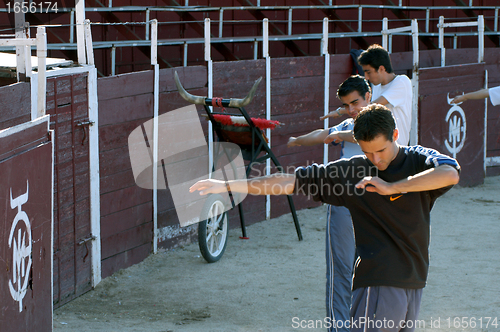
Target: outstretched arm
[[275, 184], [334, 114], [338, 136], [434, 178], [313, 138], [479, 94]]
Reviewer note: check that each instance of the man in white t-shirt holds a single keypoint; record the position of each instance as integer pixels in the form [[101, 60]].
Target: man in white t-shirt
[[493, 93], [393, 91]]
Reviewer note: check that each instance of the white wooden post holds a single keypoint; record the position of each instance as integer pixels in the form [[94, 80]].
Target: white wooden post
[[95, 198], [326, 104], [385, 27], [113, 60], [441, 39], [210, 91], [80, 35], [265, 54], [154, 63], [480, 30], [88, 43], [20, 49], [41, 52]]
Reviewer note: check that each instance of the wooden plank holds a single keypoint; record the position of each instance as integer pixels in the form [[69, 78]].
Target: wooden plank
[[115, 135], [114, 161], [123, 199], [125, 109], [284, 68], [125, 85], [126, 240], [113, 182], [125, 259], [126, 219], [191, 77], [16, 104]]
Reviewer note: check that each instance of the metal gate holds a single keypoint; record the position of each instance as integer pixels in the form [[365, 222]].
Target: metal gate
[[26, 227], [67, 103], [456, 130]]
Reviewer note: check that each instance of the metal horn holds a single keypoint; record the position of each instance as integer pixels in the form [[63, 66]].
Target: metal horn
[[186, 95], [233, 102]]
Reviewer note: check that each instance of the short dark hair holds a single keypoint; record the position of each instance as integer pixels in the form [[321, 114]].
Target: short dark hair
[[354, 83], [376, 56], [373, 120]]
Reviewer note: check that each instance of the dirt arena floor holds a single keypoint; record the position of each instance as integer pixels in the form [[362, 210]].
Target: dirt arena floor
[[273, 282]]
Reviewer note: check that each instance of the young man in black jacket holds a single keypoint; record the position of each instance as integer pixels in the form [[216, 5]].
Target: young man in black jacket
[[390, 192]]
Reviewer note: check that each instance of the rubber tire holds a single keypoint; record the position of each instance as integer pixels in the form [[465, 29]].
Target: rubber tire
[[207, 247]]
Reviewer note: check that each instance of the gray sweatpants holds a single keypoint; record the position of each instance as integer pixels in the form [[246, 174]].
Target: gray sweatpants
[[387, 309]]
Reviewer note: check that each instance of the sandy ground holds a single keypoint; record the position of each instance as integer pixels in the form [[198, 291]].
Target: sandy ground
[[261, 284]]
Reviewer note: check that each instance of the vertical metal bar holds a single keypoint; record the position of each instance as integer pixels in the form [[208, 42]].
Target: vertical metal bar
[[326, 104], [186, 4], [470, 3], [265, 38], [154, 63], [385, 27], [441, 40], [329, 2], [415, 82], [185, 63], [147, 24], [427, 19], [255, 50], [221, 20], [324, 40], [400, 3], [496, 20], [154, 42], [290, 21], [88, 43], [390, 44], [265, 49], [110, 4], [480, 29], [41, 52], [72, 26], [210, 94], [113, 60], [80, 35], [258, 3], [95, 209], [485, 120], [455, 42], [360, 19]]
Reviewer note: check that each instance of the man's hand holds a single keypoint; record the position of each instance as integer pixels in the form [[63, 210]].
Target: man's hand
[[334, 114], [458, 99], [333, 137], [208, 187], [292, 141], [375, 184]]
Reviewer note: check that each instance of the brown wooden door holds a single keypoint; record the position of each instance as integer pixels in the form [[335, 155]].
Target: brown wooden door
[[25, 228], [67, 103]]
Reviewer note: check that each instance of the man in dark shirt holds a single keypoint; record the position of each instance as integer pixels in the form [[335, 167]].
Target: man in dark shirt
[[390, 192]]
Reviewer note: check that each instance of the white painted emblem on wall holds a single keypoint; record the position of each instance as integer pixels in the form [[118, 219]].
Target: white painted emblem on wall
[[457, 128], [21, 249]]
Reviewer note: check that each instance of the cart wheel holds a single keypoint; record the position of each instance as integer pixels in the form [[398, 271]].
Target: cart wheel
[[212, 231]]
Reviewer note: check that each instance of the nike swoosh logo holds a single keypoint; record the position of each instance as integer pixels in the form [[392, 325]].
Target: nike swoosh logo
[[394, 198]]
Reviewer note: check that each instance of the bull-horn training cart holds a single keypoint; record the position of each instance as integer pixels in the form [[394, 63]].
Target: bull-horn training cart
[[247, 133]]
